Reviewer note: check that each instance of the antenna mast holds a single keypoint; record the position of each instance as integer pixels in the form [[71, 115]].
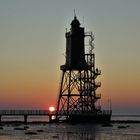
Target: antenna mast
[[74, 13]]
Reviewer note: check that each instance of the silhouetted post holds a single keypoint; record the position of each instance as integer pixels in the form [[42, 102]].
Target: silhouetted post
[[50, 118], [25, 118]]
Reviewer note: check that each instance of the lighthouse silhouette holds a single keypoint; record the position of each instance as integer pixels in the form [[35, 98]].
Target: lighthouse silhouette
[[77, 99]]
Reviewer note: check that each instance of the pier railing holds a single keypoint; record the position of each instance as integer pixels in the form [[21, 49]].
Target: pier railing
[[47, 112], [24, 112]]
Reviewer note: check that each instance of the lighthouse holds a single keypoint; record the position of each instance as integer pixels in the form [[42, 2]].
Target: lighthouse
[[78, 97]]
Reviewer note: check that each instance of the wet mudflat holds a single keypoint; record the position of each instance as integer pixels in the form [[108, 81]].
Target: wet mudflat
[[63, 131]]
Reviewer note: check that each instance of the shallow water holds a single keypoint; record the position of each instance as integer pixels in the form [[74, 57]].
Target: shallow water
[[63, 131]]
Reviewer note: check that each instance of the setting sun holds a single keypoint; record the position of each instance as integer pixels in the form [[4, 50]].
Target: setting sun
[[51, 109]]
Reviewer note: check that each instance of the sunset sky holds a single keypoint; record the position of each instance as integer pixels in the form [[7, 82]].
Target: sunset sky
[[32, 48]]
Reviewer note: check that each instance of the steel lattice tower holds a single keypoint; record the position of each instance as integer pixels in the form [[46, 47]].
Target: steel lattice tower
[[78, 85]]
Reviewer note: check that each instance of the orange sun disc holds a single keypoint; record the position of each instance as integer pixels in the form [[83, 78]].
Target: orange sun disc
[[51, 109]]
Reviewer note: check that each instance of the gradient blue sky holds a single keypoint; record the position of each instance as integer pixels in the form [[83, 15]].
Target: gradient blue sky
[[32, 47]]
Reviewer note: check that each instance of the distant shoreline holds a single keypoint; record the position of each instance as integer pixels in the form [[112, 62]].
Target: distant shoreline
[[45, 122], [125, 121], [125, 115]]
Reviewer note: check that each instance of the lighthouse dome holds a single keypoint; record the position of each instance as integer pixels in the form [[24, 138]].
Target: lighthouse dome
[[75, 22]]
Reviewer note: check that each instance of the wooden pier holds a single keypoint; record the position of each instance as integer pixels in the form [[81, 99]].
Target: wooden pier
[[26, 113], [53, 116]]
